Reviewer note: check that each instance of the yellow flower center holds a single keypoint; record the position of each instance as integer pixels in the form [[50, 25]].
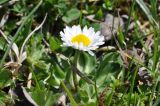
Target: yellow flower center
[[81, 38]]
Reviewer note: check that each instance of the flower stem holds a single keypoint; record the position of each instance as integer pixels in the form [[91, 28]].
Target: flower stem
[[75, 80], [73, 102]]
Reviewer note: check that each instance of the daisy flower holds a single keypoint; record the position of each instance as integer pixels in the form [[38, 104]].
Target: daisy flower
[[85, 39]]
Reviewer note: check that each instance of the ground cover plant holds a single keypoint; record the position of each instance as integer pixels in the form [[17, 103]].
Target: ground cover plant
[[79, 53]]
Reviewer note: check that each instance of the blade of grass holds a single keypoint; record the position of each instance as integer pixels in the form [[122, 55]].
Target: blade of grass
[[132, 85], [19, 29], [155, 27], [153, 92], [154, 8], [157, 101], [35, 78], [129, 18], [155, 51], [110, 97], [156, 35], [138, 34], [147, 12], [151, 15]]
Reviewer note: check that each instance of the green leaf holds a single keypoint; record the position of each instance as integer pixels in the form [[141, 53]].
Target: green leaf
[[51, 98], [39, 97], [35, 50], [53, 81], [110, 64], [3, 98], [71, 15], [58, 71], [86, 63], [3, 44], [54, 43], [18, 8], [56, 75], [109, 4], [90, 104], [3, 1], [44, 98], [87, 92], [51, 1], [96, 26], [99, 14], [24, 32], [10, 25], [121, 36], [84, 95], [42, 65], [5, 79]]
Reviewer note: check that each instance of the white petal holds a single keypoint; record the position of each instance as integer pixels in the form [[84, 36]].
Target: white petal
[[93, 48], [78, 30], [85, 29], [91, 53], [97, 33], [81, 46]]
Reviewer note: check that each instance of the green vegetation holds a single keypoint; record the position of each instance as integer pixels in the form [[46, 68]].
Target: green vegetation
[[35, 69]]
